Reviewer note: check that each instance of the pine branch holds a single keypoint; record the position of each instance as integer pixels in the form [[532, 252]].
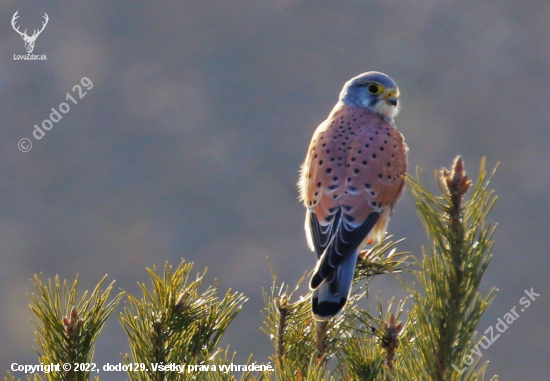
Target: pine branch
[[67, 329], [390, 340], [175, 324], [367, 352], [298, 338], [443, 320], [34, 377], [290, 326]]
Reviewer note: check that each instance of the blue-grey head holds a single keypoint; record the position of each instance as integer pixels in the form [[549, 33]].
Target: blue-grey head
[[374, 91]]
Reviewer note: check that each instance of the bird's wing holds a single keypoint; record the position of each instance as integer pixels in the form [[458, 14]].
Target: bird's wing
[[353, 172]]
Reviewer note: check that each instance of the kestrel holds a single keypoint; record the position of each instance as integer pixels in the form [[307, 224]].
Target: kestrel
[[350, 182]]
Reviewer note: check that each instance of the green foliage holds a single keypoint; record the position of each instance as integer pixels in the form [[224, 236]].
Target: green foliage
[[448, 307], [175, 323], [66, 329], [369, 350], [304, 348]]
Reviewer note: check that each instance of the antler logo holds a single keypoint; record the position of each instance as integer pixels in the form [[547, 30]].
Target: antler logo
[[29, 40]]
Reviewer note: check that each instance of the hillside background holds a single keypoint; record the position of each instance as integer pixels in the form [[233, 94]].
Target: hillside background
[[190, 141]]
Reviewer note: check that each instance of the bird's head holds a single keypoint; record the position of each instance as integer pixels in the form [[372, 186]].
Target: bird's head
[[374, 91]]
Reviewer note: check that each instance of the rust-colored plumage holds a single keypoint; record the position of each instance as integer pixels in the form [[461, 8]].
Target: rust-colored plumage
[[351, 180]]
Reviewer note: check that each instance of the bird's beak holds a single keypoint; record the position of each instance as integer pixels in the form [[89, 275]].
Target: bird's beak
[[391, 98]]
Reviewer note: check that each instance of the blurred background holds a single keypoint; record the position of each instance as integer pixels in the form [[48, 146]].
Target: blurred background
[[189, 144]]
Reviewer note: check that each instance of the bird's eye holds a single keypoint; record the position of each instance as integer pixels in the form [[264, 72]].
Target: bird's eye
[[375, 89]]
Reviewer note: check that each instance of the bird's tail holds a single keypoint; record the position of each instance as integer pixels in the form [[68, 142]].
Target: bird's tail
[[331, 296]]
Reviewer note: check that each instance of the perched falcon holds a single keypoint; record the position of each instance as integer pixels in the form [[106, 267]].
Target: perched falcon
[[350, 182]]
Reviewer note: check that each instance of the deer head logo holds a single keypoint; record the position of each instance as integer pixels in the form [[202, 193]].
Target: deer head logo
[[29, 40]]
